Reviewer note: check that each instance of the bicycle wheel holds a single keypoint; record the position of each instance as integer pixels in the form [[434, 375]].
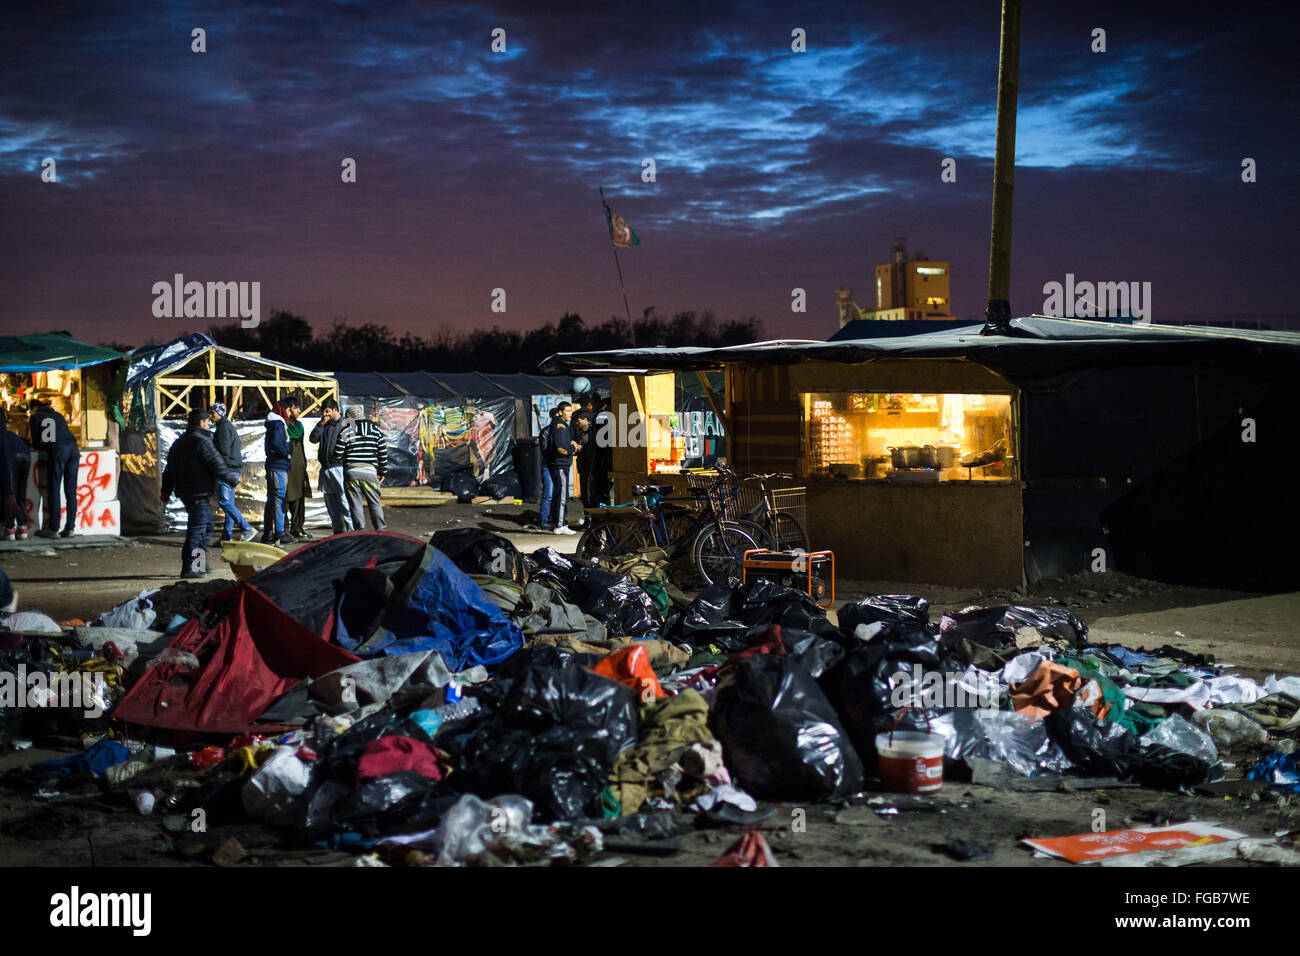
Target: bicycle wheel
[[718, 551], [609, 539], [786, 531]]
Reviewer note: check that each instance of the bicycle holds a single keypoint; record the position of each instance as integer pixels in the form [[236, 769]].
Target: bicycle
[[786, 531], [714, 542]]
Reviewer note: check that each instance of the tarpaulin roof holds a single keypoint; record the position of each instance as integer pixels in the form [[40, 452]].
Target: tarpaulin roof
[[450, 386], [49, 350], [152, 361], [892, 328], [1039, 348]]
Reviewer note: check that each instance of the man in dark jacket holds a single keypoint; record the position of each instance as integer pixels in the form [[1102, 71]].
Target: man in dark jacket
[[193, 470], [326, 435], [225, 439], [15, 466], [557, 468], [279, 454], [50, 434]]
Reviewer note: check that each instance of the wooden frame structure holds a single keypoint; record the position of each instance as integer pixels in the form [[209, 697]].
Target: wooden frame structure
[[218, 368]]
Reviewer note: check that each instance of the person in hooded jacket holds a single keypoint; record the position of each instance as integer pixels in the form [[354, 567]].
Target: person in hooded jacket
[[279, 455], [225, 438], [365, 461], [194, 468]]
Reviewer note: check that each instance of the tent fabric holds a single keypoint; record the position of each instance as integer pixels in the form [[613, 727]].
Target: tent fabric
[[1043, 353], [305, 584], [50, 350], [892, 328], [252, 655], [436, 607]]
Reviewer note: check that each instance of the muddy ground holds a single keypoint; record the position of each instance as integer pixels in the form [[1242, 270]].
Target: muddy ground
[[1255, 633]]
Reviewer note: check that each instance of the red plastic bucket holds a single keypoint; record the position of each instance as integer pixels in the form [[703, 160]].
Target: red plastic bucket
[[910, 761]]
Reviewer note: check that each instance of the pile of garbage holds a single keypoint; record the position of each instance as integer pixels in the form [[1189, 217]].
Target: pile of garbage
[[456, 702]]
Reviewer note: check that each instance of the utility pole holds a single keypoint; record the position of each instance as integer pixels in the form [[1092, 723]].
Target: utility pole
[[997, 317]]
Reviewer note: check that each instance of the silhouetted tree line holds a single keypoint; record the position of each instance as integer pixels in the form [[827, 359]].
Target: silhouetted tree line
[[286, 337]]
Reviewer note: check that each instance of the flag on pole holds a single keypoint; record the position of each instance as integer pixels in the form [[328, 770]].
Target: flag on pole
[[620, 233]]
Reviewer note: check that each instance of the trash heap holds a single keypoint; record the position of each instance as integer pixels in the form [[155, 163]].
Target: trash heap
[[455, 702]]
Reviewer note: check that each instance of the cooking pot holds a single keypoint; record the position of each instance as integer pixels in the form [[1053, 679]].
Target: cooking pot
[[947, 455], [907, 456]]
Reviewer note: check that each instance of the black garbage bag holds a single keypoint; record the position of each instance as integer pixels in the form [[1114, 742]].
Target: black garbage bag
[[735, 619], [30, 655], [996, 627], [506, 485], [403, 801], [1100, 748], [554, 739], [462, 484], [780, 736], [339, 754], [707, 620], [543, 655], [881, 678], [903, 617], [476, 551], [616, 600]]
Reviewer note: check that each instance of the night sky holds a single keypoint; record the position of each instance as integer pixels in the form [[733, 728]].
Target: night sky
[[775, 169]]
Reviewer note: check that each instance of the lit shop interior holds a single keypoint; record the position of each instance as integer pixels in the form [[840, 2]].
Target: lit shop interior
[[909, 436], [60, 387]]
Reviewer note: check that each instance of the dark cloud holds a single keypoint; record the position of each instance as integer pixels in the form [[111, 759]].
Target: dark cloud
[[774, 169]]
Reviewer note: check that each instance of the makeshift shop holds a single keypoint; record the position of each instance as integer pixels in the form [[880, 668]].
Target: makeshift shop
[[83, 384], [960, 458]]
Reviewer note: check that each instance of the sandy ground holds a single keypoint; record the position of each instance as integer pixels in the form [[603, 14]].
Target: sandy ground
[[1256, 633]]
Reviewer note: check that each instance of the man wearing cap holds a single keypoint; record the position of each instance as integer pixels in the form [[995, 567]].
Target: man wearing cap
[[225, 438]]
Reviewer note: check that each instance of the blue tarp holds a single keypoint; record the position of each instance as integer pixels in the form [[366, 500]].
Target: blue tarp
[[436, 607]]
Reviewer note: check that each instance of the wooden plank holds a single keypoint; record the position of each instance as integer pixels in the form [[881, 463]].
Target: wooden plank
[[713, 401], [295, 383], [212, 374]]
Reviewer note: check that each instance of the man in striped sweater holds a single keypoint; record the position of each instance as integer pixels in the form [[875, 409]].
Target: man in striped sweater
[[365, 460]]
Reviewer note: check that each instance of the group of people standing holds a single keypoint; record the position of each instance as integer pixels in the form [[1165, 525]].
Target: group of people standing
[[202, 463], [53, 439], [573, 435]]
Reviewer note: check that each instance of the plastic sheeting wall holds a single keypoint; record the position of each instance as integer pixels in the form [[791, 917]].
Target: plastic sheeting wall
[[429, 440]]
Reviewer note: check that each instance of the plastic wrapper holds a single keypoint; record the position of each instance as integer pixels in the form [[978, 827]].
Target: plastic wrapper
[[554, 739], [135, 614], [1178, 733], [1103, 749], [278, 792], [901, 617], [473, 825], [780, 736], [617, 601], [1017, 740], [476, 551], [1228, 728]]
